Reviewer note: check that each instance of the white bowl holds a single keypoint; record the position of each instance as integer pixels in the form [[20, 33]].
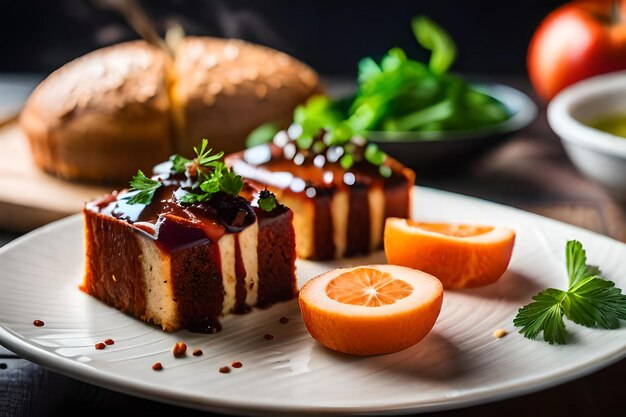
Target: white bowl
[[599, 155]]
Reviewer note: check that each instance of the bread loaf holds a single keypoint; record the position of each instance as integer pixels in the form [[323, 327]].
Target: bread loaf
[[224, 89], [125, 107]]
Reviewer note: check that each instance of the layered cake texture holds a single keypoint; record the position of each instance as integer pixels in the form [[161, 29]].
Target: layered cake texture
[[339, 210], [183, 248]]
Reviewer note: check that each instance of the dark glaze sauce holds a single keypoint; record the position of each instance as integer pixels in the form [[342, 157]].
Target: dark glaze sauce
[[240, 284], [210, 325], [174, 225], [323, 232], [319, 177], [358, 239]]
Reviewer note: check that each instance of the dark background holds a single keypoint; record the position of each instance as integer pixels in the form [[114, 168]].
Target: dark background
[[331, 36]]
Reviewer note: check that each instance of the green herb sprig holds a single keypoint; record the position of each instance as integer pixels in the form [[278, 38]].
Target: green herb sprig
[[589, 301], [212, 174], [203, 158], [267, 200], [220, 178], [141, 189]]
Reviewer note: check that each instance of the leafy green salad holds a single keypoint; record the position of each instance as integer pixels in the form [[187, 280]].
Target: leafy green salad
[[398, 94]]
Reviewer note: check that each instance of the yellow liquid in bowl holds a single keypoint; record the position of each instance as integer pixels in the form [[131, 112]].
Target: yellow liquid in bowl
[[615, 125]]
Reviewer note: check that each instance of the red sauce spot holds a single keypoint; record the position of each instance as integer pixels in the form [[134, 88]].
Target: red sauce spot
[[197, 352], [268, 336], [109, 341], [157, 366], [236, 364], [100, 346], [224, 369], [284, 320], [38, 323]]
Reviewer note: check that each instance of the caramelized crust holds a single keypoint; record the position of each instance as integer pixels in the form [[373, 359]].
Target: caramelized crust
[[197, 284], [277, 256], [113, 264]]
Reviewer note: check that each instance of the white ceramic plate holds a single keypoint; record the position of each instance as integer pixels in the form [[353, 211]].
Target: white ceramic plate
[[459, 363]]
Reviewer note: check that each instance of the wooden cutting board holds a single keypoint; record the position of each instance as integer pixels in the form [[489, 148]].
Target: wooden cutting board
[[30, 198]]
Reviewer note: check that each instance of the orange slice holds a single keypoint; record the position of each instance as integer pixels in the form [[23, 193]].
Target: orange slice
[[460, 255], [372, 309]]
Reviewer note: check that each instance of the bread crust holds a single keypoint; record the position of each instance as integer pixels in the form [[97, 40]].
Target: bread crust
[[224, 89], [102, 116], [125, 107]]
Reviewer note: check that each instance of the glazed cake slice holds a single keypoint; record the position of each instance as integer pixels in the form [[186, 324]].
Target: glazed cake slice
[[337, 212], [184, 266]]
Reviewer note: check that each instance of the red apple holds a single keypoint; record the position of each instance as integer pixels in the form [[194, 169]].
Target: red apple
[[576, 41]]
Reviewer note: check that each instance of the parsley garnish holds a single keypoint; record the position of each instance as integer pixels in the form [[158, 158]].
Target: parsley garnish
[[319, 126], [262, 134], [203, 158], [346, 161], [589, 301], [221, 178], [179, 163], [374, 155], [142, 189], [231, 183], [267, 200], [212, 176]]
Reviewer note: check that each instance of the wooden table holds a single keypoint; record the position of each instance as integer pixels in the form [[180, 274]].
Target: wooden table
[[531, 171]]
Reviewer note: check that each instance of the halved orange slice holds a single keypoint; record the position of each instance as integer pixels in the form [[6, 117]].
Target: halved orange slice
[[460, 255], [371, 309]]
